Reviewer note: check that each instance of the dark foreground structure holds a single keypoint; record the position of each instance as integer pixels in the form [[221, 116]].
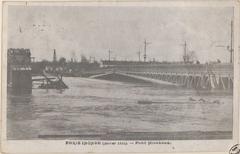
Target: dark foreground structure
[[19, 76]]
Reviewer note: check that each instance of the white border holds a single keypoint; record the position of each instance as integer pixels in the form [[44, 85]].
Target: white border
[[46, 146]]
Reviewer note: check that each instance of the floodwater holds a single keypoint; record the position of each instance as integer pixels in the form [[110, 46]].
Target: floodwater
[[92, 106]]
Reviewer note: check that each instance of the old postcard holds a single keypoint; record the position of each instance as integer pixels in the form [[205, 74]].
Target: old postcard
[[118, 77]]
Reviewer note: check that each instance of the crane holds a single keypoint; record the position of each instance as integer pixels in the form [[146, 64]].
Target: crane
[[229, 47]]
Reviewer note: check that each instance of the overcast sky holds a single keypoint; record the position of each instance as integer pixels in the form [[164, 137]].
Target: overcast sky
[[92, 30]]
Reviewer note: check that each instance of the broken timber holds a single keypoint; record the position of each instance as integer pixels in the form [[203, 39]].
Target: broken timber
[[50, 84]]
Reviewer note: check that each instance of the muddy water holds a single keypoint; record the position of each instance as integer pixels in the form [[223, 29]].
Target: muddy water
[[92, 106]]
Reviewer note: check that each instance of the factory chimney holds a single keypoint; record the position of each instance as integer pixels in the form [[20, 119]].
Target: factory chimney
[[54, 56]]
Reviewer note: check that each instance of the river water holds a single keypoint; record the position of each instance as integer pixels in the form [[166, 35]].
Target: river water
[[92, 106]]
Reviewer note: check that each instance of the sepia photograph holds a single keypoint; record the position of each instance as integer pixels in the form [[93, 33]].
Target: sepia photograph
[[120, 73]]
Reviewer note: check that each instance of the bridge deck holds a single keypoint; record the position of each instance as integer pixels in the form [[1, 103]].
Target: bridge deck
[[199, 76]]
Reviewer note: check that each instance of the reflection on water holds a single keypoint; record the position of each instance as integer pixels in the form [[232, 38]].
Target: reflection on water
[[92, 106], [19, 91]]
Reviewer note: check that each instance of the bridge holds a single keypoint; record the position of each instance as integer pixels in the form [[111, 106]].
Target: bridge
[[197, 76]]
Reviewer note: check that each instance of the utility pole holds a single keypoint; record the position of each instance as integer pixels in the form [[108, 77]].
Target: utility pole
[[145, 50], [109, 54], [185, 52], [139, 55]]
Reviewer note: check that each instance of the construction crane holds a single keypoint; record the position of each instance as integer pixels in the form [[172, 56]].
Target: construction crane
[[229, 47]]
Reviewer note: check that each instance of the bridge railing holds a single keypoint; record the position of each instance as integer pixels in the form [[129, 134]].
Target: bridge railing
[[217, 69]]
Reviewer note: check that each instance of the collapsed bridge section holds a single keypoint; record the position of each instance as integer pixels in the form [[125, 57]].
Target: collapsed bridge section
[[198, 76]]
